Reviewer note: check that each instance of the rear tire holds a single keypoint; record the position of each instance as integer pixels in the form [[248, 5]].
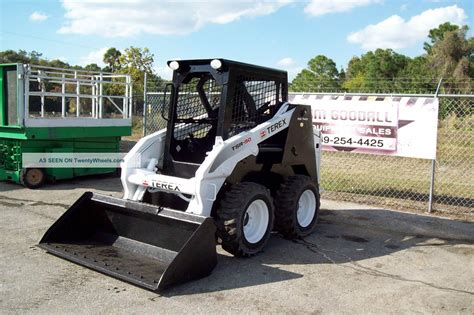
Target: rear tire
[[244, 219], [296, 207], [33, 177]]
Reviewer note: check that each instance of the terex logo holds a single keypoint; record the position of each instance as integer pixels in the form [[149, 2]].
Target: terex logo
[[276, 126], [241, 143], [165, 186]]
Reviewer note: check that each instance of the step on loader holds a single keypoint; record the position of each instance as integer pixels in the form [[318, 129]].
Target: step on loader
[[235, 162]]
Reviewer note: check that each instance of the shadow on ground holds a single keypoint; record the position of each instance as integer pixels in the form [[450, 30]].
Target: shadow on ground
[[417, 196], [343, 236]]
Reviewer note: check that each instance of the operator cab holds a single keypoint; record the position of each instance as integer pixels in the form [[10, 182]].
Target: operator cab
[[215, 97]]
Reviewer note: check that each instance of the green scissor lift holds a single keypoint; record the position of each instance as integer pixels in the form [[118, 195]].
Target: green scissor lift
[[53, 110]]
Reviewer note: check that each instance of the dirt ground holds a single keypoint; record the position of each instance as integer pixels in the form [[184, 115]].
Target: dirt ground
[[361, 259]]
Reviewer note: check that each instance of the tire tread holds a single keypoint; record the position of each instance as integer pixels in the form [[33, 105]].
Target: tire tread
[[286, 200], [230, 211]]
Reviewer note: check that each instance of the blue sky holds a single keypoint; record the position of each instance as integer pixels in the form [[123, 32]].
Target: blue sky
[[283, 34]]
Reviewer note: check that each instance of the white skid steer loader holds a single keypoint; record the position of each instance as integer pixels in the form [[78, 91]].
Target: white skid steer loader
[[235, 162]]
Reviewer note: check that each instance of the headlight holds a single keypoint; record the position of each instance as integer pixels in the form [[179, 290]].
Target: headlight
[[216, 64], [174, 65]]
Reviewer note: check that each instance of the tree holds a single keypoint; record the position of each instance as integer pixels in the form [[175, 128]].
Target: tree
[[55, 63], [11, 56], [320, 74], [375, 71], [35, 57], [342, 75], [437, 34], [416, 77], [92, 67], [112, 59], [136, 62], [355, 77], [451, 58], [137, 59]]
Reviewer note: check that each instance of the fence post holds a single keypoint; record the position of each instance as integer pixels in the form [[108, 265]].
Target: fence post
[[433, 170], [433, 162], [144, 103]]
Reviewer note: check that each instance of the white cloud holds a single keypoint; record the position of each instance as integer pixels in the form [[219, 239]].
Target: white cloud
[[396, 33], [96, 56], [125, 18], [322, 7], [286, 62], [38, 16]]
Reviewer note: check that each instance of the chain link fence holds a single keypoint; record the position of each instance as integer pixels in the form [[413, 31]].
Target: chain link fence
[[396, 182], [454, 176], [405, 183], [154, 120]]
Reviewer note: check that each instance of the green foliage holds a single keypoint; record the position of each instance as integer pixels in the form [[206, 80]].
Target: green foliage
[[92, 67], [321, 73], [437, 34], [22, 56], [452, 59], [416, 77], [375, 71], [112, 59], [356, 83], [449, 55], [135, 62]]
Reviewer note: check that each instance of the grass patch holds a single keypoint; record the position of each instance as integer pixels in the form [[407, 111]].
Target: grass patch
[[408, 179]]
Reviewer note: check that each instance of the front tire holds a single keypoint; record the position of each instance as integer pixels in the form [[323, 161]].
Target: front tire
[[296, 207], [244, 219]]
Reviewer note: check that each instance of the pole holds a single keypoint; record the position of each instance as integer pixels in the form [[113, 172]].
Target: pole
[[433, 169], [433, 163], [144, 103]]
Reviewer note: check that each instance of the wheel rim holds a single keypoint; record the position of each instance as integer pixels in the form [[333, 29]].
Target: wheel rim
[[34, 176], [256, 221], [306, 208]]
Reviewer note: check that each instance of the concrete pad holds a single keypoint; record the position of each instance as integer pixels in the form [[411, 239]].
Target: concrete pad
[[361, 259]]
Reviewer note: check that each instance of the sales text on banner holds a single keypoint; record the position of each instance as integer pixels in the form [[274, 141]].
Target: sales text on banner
[[399, 126]]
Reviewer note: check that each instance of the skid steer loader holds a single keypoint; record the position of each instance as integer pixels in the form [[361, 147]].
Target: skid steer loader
[[235, 162]]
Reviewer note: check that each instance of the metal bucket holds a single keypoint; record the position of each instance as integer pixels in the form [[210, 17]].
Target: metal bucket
[[148, 246]]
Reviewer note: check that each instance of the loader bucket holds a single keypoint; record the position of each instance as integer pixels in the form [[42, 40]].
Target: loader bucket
[[145, 245]]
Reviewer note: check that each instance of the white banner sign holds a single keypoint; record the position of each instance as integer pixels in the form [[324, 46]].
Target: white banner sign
[[400, 126], [72, 160]]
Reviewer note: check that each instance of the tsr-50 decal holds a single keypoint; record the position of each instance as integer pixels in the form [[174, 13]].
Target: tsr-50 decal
[[242, 143]]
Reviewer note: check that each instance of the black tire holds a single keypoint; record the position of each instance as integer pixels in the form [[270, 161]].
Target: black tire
[[33, 177], [286, 207], [231, 218]]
